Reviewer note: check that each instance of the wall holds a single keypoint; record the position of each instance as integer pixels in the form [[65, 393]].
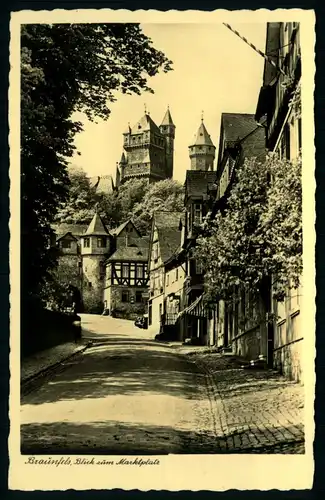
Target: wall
[[91, 274], [126, 310], [288, 337]]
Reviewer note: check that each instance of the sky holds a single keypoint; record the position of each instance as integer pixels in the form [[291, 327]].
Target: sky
[[214, 72]]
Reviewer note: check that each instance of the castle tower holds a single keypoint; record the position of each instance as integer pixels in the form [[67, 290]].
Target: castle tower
[[120, 170], [167, 128], [149, 150], [95, 246], [202, 151]]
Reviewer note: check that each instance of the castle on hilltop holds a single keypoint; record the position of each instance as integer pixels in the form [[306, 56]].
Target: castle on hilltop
[[148, 151]]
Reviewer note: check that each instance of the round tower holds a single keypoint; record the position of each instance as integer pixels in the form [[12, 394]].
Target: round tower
[[202, 151], [95, 246]]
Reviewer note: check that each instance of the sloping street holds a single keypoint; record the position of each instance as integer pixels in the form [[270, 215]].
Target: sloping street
[[128, 394]]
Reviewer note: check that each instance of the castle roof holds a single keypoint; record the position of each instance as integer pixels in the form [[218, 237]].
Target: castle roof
[[103, 183], [97, 227], [144, 124], [202, 137], [167, 120]]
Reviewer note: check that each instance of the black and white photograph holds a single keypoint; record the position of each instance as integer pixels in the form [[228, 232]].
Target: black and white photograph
[[162, 211]]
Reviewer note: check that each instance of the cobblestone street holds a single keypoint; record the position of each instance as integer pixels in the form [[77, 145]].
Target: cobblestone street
[[131, 395]]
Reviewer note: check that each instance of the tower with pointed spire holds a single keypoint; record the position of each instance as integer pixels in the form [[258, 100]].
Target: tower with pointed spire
[[148, 150], [167, 129], [95, 248], [202, 150]]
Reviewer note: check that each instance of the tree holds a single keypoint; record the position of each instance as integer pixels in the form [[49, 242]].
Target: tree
[[82, 198], [259, 234], [60, 290], [67, 68], [167, 195]]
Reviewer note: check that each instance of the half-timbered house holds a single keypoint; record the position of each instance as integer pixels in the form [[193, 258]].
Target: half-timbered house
[[127, 274]]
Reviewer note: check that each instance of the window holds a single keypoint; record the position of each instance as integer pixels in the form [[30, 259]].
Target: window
[[101, 242], [80, 267], [176, 274], [197, 213], [66, 244], [90, 284], [86, 242], [167, 280], [102, 270], [125, 296], [125, 271], [138, 296], [139, 271]]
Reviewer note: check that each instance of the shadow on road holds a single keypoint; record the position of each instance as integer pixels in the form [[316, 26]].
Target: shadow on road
[[118, 438], [121, 369]]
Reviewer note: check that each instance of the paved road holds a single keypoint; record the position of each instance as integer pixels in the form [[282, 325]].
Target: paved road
[[131, 395], [127, 394]]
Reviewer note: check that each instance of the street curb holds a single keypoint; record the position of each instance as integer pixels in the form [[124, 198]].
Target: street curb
[[48, 368]]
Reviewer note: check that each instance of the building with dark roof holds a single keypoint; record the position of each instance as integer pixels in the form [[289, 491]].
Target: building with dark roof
[[148, 151], [126, 273], [165, 240]]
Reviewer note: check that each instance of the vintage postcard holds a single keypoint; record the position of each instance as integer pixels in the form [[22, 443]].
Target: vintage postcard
[[162, 246]]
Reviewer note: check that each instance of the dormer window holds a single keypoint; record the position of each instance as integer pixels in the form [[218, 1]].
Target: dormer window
[[65, 244], [86, 242]]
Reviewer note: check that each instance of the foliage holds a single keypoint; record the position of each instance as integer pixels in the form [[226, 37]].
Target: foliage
[[82, 198], [135, 199], [92, 302], [167, 195], [67, 68], [59, 290], [259, 234], [117, 207]]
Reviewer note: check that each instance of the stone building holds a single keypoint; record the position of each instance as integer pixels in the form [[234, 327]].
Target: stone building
[[95, 248], [148, 151]]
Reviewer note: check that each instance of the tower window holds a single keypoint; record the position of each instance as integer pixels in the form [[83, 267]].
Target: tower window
[[101, 242], [86, 242]]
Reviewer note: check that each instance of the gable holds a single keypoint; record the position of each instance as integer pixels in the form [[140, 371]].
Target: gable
[[67, 237]]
